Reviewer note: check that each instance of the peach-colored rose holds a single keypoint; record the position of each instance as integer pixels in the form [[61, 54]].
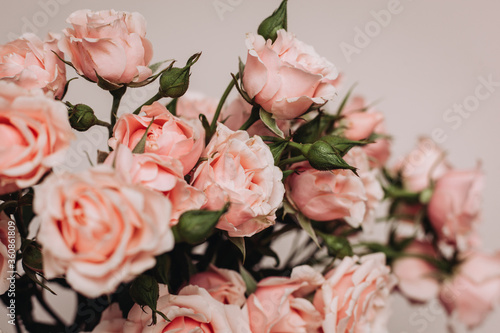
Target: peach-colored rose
[[99, 230], [35, 134], [192, 104], [424, 164], [327, 195], [162, 174], [455, 206], [417, 277], [359, 123], [192, 310], [168, 135], [240, 170], [109, 44], [225, 285], [10, 243], [278, 305], [355, 295], [287, 77], [379, 151], [31, 63], [475, 289], [112, 320]]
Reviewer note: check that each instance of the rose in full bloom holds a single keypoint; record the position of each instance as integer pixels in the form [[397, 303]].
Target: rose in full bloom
[[112, 320], [35, 134], [108, 43], [278, 305], [192, 104], [327, 195], [287, 77], [192, 310], [359, 123], [167, 136], [424, 164], [225, 285], [474, 291], [240, 170], [417, 277], [354, 295], [31, 63], [10, 242], [99, 230], [162, 174], [455, 206]]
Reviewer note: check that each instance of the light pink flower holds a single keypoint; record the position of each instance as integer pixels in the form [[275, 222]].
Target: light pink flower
[[225, 285], [112, 320], [424, 164], [355, 294], [110, 44], [192, 310], [327, 195], [379, 151], [417, 277], [455, 206], [10, 243], [162, 174], [168, 136], [287, 77], [31, 63], [240, 170], [99, 230], [359, 123], [192, 104], [35, 134], [475, 289], [278, 305]]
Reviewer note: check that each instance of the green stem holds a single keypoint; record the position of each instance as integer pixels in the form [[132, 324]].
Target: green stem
[[150, 101], [295, 145], [399, 193], [102, 123], [230, 87], [292, 160], [254, 116], [117, 97]]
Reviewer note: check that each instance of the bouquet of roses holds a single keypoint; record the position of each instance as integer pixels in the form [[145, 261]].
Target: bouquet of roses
[[245, 215]]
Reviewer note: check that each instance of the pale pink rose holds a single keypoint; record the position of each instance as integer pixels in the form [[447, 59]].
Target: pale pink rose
[[426, 163], [278, 305], [108, 43], [327, 195], [379, 151], [287, 77], [374, 192], [31, 63], [225, 285], [359, 123], [455, 206], [112, 320], [417, 277], [240, 170], [99, 230], [192, 104], [475, 289], [35, 134], [162, 174], [10, 243], [355, 294], [192, 310], [168, 135]]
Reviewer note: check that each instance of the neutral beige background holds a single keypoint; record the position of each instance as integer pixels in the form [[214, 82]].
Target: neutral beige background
[[428, 58]]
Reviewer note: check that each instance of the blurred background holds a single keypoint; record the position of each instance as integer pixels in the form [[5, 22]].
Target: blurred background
[[420, 60]]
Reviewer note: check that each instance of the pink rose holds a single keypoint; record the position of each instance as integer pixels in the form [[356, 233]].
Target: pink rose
[[278, 305], [240, 170], [35, 135], [455, 206], [31, 63], [112, 320], [359, 123], [225, 285], [99, 230], [162, 174], [109, 44], [417, 277], [424, 164], [354, 295], [327, 195], [475, 289], [168, 135], [192, 310], [191, 105], [10, 243], [287, 77], [379, 151]]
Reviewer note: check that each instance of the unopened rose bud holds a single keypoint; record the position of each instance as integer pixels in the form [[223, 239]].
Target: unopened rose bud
[[145, 292], [81, 117], [174, 82], [278, 20], [322, 156]]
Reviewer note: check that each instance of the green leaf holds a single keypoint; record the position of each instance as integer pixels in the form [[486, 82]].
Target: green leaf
[[162, 268], [309, 132], [141, 145], [342, 144], [66, 86], [239, 242], [151, 78], [249, 280], [172, 106], [33, 275], [346, 98], [287, 173], [338, 247], [156, 66], [32, 256], [278, 20], [105, 84], [270, 123], [306, 225], [277, 149]]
